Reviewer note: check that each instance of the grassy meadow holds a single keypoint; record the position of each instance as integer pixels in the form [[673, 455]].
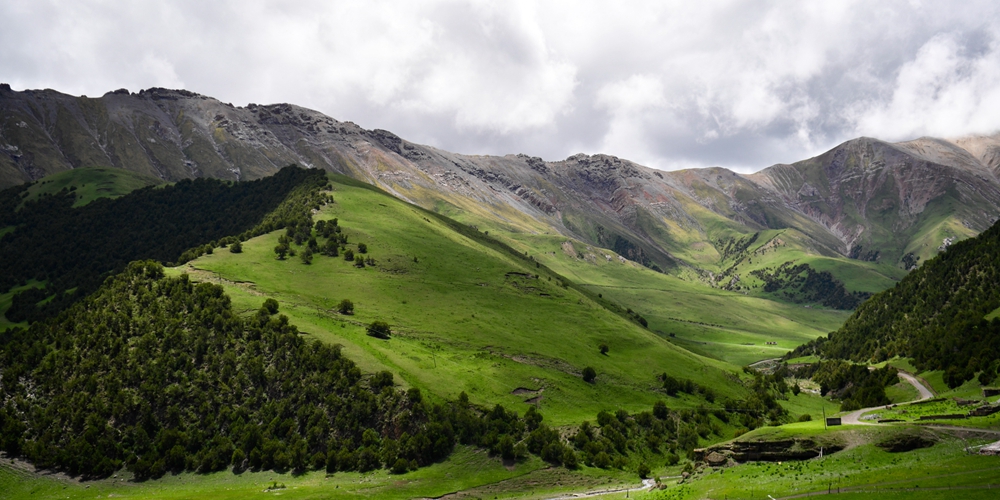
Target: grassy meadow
[[466, 316], [7, 298], [725, 325], [733, 326], [468, 470], [863, 470], [92, 183]]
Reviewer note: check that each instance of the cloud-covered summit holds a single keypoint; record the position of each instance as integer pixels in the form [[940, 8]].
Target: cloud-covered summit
[[742, 84]]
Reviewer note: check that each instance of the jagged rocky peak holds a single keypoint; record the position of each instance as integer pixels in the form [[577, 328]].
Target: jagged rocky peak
[[603, 172]]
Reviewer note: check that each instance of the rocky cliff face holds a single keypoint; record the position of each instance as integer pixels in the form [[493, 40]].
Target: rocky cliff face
[[865, 199], [874, 196]]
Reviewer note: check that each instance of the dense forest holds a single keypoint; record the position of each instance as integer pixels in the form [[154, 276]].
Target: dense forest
[[71, 250], [935, 315], [159, 374]]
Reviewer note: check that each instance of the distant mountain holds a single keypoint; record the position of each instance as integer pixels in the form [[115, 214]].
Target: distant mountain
[[864, 211]]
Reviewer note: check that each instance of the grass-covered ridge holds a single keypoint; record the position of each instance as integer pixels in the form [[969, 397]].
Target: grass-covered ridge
[[467, 314]]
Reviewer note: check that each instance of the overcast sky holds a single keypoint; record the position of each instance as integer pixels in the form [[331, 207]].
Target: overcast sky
[[740, 84]]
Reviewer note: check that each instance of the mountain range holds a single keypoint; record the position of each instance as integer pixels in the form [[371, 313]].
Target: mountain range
[[865, 212]]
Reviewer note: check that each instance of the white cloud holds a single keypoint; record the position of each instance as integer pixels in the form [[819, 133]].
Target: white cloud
[[738, 83], [633, 105], [946, 90]]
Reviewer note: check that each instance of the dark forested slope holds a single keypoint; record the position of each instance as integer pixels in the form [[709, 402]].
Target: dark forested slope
[[160, 374], [73, 249], [936, 315]]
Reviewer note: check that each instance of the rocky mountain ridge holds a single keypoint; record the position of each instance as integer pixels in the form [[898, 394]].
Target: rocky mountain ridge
[[866, 200]]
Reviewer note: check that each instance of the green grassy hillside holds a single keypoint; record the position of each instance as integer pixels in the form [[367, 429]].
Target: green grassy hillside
[[730, 325], [91, 183], [466, 315], [517, 327], [863, 470], [723, 324]]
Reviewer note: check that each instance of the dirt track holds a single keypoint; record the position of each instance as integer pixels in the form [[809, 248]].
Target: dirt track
[[854, 417]]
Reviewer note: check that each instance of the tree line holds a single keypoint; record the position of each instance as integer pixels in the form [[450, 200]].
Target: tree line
[[159, 374], [72, 250], [935, 315]]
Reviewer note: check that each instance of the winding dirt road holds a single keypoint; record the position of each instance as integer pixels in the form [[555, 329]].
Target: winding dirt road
[[646, 485], [854, 417]]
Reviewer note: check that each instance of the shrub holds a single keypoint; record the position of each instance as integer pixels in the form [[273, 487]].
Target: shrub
[[569, 459], [380, 380], [604, 349], [362, 248], [589, 374], [282, 250], [660, 410], [306, 256], [271, 306], [330, 249], [379, 329], [805, 418], [345, 307], [349, 255], [236, 247], [643, 471], [400, 467], [602, 460]]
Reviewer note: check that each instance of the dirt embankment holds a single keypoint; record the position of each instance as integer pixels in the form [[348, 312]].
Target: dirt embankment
[[765, 451]]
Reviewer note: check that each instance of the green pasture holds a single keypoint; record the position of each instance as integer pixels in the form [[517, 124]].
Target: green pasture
[[902, 392], [467, 469], [92, 183], [861, 471], [725, 325], [466, 315], [813, 405]]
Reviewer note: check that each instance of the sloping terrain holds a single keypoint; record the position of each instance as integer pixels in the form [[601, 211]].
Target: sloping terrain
[[155, 374], [942, 315], [510, 308], [90, 183], [865, 208], [466, 313]]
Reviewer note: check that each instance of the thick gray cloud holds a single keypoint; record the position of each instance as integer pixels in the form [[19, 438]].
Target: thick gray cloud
[[742, 84]]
